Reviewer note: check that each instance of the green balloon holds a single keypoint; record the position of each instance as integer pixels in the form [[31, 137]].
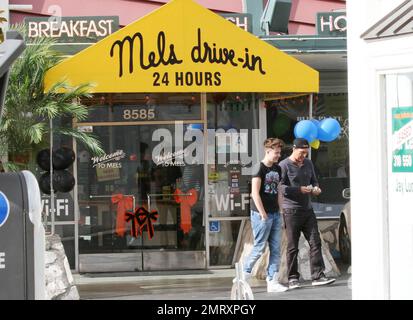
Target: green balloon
[[281, 125]]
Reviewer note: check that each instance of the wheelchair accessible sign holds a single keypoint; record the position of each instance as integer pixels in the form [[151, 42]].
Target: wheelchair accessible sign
[[4, 208], [214, 226]]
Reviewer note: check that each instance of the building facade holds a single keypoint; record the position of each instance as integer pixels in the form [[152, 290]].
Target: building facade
[[201, 206], [380, 104]]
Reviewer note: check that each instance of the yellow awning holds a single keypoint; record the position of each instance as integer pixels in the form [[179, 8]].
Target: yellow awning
[[183, 47]]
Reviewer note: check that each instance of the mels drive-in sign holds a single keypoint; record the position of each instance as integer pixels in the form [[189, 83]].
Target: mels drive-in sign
[[183, 47]]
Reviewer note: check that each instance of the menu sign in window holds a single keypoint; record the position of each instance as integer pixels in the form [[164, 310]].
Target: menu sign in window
[[402, 138]]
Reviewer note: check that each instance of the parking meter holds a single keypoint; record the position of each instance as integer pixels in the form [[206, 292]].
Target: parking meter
[[22, 238]]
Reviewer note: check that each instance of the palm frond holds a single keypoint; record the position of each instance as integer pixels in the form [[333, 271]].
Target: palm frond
[[5, 124], [10, 166], [74, 92], [28, 108], [35, 132], [89, 140], [47, 108], [75, 110]]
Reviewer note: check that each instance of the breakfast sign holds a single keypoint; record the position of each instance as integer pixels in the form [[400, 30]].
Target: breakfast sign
[[184, 47]]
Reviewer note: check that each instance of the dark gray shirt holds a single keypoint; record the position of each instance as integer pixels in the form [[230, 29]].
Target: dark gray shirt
[[292, 178]]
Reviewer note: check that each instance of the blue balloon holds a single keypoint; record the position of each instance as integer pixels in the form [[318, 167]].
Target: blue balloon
[[195, 126], [229, 127], [306, 129], [328, 130], [316, 122]]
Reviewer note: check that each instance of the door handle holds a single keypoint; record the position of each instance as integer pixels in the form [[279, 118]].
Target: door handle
[[165, 194]]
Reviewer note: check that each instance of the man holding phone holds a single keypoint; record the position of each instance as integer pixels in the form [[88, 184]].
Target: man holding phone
[[298, 183]]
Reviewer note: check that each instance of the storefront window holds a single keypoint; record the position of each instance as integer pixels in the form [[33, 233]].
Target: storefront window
[[398, 102], [234, 118], [139, 176], [331, 159], [222, 241], [130, 107]]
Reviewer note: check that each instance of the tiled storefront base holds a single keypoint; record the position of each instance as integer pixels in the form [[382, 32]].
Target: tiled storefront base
[[142, 261]]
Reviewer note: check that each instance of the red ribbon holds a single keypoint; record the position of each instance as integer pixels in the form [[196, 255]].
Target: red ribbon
[[146, 219], [186, 202], [124, 203], [140, 219], [135, 231]]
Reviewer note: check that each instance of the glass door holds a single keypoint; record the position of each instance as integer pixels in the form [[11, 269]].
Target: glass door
[[232, 150], [398, 101], [141, 205]]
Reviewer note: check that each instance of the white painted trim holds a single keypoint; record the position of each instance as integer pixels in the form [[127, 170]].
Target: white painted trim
[[369, 62]]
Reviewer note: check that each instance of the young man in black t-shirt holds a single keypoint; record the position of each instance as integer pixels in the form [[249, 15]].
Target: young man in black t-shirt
[[265, 215]]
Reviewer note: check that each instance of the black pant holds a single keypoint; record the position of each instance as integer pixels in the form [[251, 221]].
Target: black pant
[[296, 221]]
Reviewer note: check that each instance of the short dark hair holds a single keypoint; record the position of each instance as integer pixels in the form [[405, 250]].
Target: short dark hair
[[272, 143], [300, 143]]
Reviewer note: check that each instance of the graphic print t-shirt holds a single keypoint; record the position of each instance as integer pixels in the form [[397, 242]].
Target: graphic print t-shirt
[[270, 177]]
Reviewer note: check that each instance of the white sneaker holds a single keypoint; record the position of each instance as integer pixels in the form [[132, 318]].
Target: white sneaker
[[274, 286], [246, 275]]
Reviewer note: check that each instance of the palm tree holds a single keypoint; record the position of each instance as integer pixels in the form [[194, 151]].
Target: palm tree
[[24, 128]]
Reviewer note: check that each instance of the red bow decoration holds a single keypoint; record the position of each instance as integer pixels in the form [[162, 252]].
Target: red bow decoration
[[186, 202], [124, 203], [146, 218], [135, 231]]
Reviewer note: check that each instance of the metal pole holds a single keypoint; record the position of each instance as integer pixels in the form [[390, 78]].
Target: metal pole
[[51, 178], [76, 211], [311, 116], [205, 220], [165, 194], [125, 195]]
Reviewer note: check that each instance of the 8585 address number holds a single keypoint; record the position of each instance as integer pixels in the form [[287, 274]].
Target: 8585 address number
[[138, 114]]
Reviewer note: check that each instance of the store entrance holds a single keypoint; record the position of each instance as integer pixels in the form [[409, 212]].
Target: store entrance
[[141, 205]]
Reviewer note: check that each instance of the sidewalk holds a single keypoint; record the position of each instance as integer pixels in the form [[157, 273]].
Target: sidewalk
[[193, 285]]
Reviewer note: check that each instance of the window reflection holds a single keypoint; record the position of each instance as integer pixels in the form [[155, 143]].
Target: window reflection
[[228, 187], [128, 107], [129, 171], [223, 242], [331, 160]]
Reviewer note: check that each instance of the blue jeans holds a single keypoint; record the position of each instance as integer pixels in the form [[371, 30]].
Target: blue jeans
[[263, 231]]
